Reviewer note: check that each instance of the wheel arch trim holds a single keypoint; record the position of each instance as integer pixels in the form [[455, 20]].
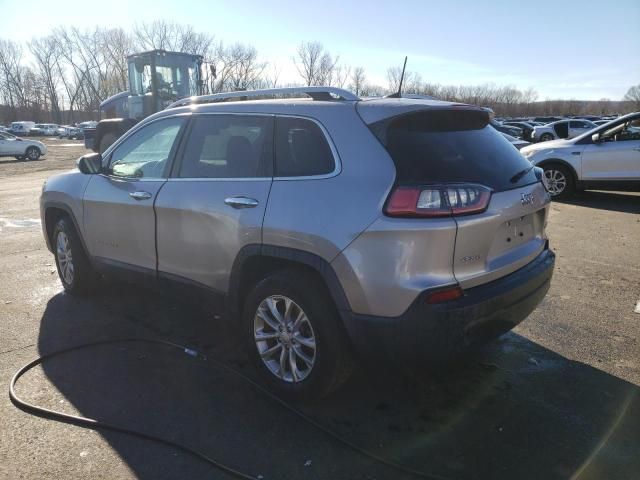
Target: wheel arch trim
[[315, 262], [64, 207]]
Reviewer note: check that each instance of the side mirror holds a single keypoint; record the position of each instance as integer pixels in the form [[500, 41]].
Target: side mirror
[[595, 138], [90, 163]]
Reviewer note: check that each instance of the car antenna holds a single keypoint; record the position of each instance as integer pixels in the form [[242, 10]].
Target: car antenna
[[398, 94]]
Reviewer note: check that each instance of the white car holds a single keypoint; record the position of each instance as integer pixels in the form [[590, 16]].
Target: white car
[[607, 158], [21, 148], [44, 129], [561, 129], [21, 128]]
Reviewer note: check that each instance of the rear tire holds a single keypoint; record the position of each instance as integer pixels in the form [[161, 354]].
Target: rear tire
[[74, 269], [33, 153], [302, 353], [560, 180]]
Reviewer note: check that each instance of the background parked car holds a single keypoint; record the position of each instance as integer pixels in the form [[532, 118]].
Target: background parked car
[[606, 158], [513, 131], [562, 129], [44, 130], [527, 128], [21, 128], [20, 148], [70, 132], [89, 124], [546, 120], [516, 142]]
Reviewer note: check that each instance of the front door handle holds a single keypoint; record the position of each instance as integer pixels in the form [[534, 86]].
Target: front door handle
[[241, 202], [140, 195]]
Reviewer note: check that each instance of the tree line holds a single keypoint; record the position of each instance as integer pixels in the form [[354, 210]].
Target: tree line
[[62, 77]]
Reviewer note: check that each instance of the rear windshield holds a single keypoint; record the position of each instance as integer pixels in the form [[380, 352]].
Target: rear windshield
[[451, 146]]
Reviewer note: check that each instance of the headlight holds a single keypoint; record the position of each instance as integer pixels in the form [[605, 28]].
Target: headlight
[[528, 153]]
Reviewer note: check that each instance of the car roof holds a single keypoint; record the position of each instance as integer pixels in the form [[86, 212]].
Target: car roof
[[370, 109]]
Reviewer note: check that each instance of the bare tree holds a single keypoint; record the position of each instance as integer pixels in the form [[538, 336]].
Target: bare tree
[[175, 37], [633, 95], [46, 52], [340, 76], [238, 68], [410, 83], [273, 75], [315, 65], [73, 70], [358, 79]]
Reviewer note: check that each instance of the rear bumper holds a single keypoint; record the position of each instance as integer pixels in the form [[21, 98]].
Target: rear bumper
[[439, 331]]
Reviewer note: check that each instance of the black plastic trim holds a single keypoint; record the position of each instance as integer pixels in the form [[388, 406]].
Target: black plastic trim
[[316, 262], [62, 206], [437, 331]]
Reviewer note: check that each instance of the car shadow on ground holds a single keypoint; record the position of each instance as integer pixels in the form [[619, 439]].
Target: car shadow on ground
[[613, 201], [517, 410], [4, 161]]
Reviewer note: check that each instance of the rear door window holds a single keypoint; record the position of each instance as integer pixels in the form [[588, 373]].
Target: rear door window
[[450, 146], [228, 146], [302, 149]]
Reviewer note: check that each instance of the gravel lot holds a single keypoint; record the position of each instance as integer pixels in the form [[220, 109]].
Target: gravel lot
[[556, 398]]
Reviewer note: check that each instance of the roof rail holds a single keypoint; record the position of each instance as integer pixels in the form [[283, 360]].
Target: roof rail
[[316, 93]]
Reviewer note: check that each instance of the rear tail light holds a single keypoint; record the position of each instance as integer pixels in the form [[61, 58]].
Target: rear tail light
[[438, 200]]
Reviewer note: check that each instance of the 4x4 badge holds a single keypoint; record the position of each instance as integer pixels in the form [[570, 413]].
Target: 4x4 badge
[[527, 198]]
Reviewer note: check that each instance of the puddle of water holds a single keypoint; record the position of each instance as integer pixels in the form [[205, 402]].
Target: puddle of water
[[19, 223]]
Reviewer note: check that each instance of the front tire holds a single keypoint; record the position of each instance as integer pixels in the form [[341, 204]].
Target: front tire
[[294, 336], [546, 137], [74, 269], [33, 153], [560, 181]]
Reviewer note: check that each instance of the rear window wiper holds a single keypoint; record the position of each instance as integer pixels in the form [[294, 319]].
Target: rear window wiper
[[521, 174]]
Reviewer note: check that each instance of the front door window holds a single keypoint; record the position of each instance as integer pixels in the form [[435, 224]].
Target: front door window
[[145, 153]]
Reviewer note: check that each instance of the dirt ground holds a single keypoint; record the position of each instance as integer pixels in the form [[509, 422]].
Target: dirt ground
[[555, 398]]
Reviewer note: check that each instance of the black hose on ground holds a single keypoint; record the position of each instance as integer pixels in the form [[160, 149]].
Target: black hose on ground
[[94, 424]]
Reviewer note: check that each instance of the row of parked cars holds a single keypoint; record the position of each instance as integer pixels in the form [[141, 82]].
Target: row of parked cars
[[32, 129], [544, 129]]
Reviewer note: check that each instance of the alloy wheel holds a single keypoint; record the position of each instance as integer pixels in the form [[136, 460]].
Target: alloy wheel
[[65, 258], [556, 181], [284, 338]]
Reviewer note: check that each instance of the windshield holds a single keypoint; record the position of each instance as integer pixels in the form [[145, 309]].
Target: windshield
[[176, 76]]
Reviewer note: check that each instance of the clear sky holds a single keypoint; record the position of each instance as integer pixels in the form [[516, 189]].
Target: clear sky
[[563, 48]]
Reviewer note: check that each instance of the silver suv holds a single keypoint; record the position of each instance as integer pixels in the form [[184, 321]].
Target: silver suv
[[328, 226]]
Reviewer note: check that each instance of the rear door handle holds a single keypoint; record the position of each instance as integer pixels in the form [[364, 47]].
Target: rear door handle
[[241, 202], [140, 195]]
